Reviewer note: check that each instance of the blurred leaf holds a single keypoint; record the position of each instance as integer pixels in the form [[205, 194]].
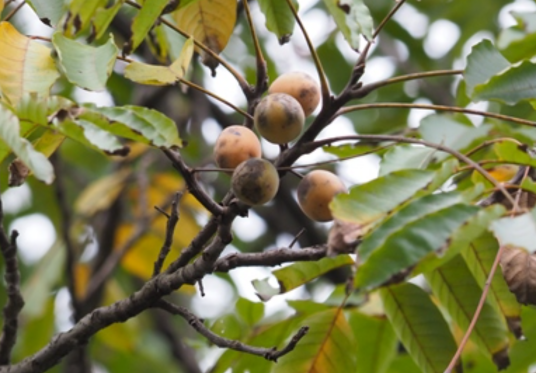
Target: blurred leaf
[[517, 43], [279, 18], [25, 65], [210, 22], [420, 326], [85, 66], [101, 194], [352, 18], [38, 288], [409, 244], [347, 151], [308, 307], [297, 274], [134, 122], [103, 18], [324, 348], [48, 11], [444, 130], [250, 312], [484, 62], [80, 12], [510, 86], [459, 293], [37, 162], [35, 331], [508, 151], [479, 257], [406, 157], [517, 231], [376, 342], [48, 143], [162, 75], [369, 202], [229, 326], [144, 21]]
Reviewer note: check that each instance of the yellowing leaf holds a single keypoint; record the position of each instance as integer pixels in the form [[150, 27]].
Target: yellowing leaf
[[101, 194], [25, 65], [162, 75], [210, 22], [81, 275]]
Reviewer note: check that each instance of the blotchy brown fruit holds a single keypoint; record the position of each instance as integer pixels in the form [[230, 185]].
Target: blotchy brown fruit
[[301, 86], [315, 192], [255, 181], [235, 145], [279, 118]]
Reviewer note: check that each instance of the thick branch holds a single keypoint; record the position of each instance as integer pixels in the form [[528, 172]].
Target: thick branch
[[14, 298], [268, 353], [269, 258]]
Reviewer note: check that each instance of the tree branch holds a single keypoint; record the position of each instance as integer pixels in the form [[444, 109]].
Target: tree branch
[[15, 302], [173, 218], [269, 258], [268, 353]]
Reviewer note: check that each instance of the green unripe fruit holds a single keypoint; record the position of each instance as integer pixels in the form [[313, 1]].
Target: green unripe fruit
[[279, 118], [301, 86], [315, 192], [255, 181], [235, 145]]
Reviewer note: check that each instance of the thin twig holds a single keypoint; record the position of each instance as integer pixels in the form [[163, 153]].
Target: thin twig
[[390, 15], [173, 218], [317, 144], [193, 185], [487, 143], [455, 109], [296, 238], [271, 354], [324, 86], [14, 11], [15, 302]]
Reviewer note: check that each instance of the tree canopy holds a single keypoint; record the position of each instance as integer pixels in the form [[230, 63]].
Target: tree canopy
[[141, 232]]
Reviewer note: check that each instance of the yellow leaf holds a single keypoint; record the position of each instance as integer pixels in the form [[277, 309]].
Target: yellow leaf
[[49, 142], [210, 22], [1, 6], [81, 275], [162, 75], [25, 65], [101, 194]]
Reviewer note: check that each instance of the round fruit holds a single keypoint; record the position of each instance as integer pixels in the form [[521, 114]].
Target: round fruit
[[255, 181], [279, 118], [300, 86], [315, 192], [234, 145]]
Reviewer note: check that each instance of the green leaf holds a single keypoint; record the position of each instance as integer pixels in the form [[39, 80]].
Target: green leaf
[[25, 65], [85, 66], [297, 274], [48, 11], [144, 21], [444, 130], [508, 151], [479, 257], [376, 342], [308, 307], [102, 18], [325, 348], [37, 331], [162, 75], [348, 150], [517, 231], [352, 18], [369, 202], [406, 157], [279, 18], [250, 312], [484, 62], [510, 86], [37, 162], [459, 292], [409, 244], [229, 326], [420, 326], [134, 122], [80, 12]]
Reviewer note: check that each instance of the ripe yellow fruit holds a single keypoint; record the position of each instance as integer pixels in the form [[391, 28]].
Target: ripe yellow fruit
[[315, 192], [301, 86], [255, 181], [279, 118], [235, 145]]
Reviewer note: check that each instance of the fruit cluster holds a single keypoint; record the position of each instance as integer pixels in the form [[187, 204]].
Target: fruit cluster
[[279, 118]]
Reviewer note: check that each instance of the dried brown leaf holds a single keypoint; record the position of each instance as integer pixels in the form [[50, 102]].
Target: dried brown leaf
[[519, 270]]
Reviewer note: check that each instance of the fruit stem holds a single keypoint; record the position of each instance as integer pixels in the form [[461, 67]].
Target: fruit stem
[[262, 76], [321, 75]]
